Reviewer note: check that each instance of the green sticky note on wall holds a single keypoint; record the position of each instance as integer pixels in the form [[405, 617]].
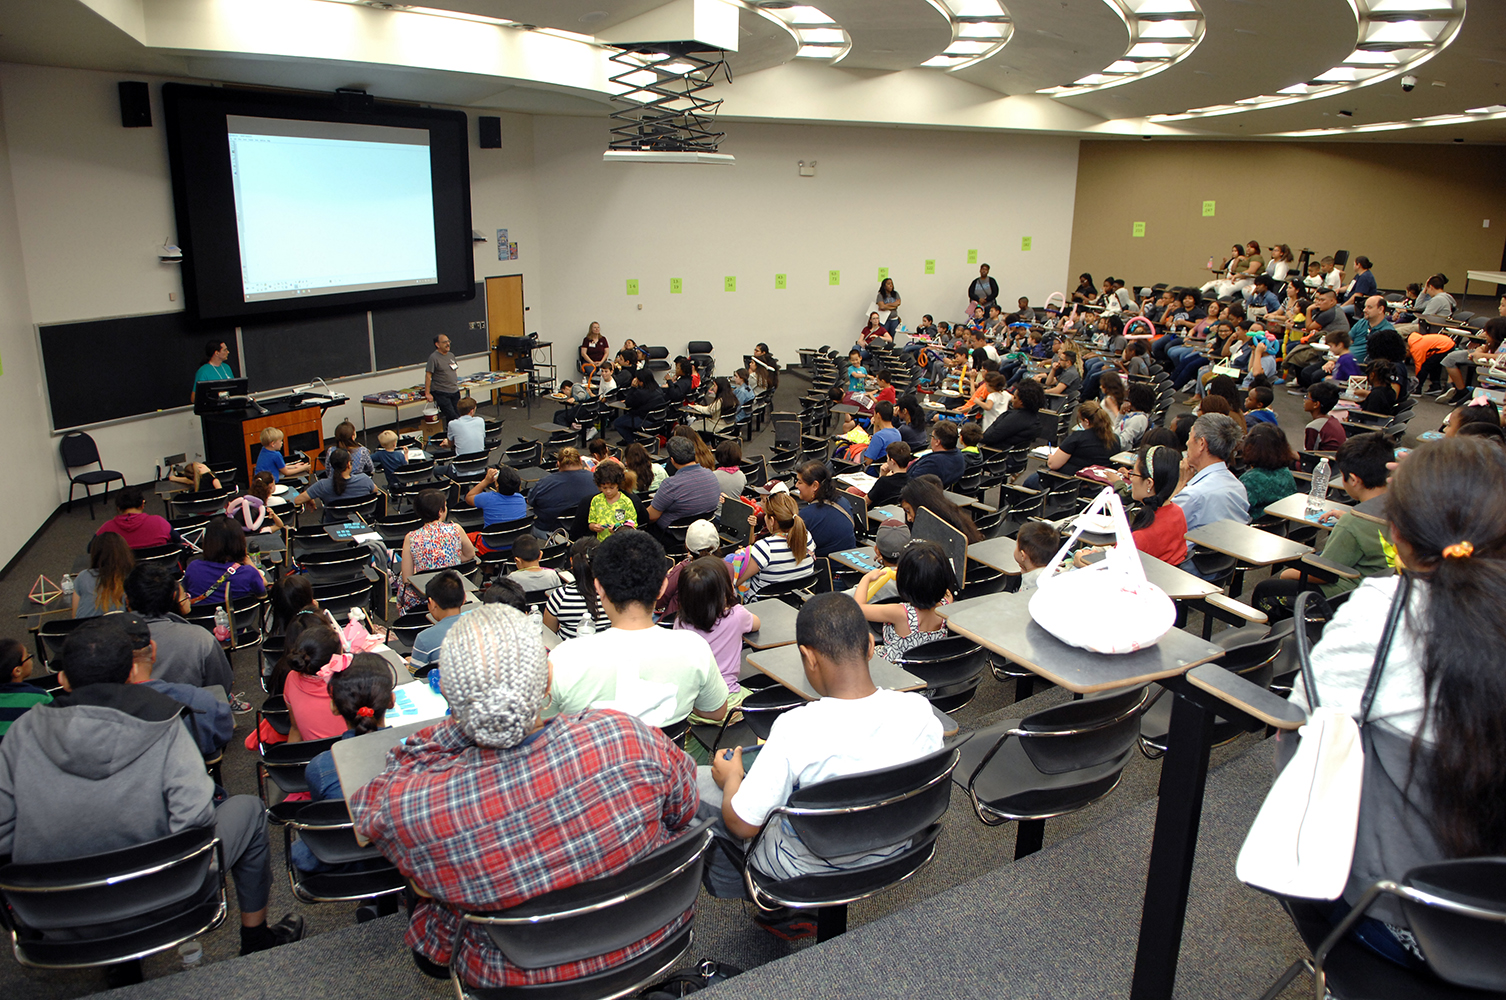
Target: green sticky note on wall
[[779, 281], [729, 284], [1139, 229], [833, 277], [1207, 208], [632, 286], [676, 286], [883, 273], [1024, 243], [972, 256], [930, 266]]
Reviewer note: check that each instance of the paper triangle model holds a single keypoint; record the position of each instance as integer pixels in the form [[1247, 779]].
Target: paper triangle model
[[44, 590]]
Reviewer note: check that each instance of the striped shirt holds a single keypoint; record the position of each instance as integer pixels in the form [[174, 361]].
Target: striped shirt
[[15, 699], [776, 563], [569, 606]]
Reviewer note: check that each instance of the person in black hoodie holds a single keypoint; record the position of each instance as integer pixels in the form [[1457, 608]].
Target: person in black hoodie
[[680, 388], [642, 399], [110, 765], [1020, 425]]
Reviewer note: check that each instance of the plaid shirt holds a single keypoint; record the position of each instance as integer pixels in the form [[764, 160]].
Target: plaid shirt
[[486, 829]]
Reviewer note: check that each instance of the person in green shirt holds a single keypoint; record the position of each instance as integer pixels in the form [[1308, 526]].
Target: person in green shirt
[[611, 509], [1270, 459], [215, 367], [1354, 540], [17, 696]]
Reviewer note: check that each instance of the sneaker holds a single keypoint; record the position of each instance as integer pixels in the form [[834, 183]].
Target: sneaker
[[238, 703], [288, 929], [786, 924], [1451, 396]]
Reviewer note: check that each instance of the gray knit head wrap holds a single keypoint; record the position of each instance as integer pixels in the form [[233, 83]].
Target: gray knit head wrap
[[494, 673]]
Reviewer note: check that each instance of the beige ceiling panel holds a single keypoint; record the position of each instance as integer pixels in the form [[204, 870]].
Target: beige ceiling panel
[[893, 34], [1054, 43]]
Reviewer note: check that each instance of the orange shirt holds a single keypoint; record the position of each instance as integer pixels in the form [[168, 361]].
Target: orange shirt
[[1421, 345]]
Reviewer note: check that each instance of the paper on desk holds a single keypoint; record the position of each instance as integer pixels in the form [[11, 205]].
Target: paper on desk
[[415, 454], [860, 481], [1044, 451]]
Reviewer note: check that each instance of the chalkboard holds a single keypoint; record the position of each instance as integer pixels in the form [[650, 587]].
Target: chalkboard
[[279, 355], [112, 368], [405, 336]]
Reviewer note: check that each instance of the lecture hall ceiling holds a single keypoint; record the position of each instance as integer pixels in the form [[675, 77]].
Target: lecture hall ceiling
[[1329, 69]]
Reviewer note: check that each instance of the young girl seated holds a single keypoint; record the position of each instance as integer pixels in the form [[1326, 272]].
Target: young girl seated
[[1381, 394], [195, 475], [925, 580], [577, 604], [310, 661], [361, 694], [1270, 459], [252, 510], [709, 608], [784, 555]]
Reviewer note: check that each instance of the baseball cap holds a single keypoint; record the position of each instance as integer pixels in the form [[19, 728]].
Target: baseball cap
[[134, 626], [701, 535], [891, 539]]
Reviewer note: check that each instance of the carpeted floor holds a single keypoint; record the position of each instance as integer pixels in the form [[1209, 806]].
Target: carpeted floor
[[348, 960]]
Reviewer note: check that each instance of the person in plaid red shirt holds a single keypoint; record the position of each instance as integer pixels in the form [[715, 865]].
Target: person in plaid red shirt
[[494, 806]]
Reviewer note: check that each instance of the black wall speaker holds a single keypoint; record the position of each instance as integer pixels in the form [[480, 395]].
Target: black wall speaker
[[135, 105], [491, 132]]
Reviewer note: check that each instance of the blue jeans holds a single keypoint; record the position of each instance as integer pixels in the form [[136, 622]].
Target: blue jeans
[[626, 425], [1186, 368]]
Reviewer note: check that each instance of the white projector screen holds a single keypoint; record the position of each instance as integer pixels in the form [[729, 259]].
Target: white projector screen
[[326, 207]]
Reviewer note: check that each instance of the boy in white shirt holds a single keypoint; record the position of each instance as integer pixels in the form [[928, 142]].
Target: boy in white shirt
[[657, 674], [1034, 547], [852, 728]]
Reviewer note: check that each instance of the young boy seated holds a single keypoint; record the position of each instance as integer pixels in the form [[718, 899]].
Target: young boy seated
[[446, 594], [857, 375], [387, 456], [1034, 546], [968, 436], [110, 765], [17, 696], [888, 544], [1258, 406], [526, 551], [270, 458], [1324, 432], [853, 727]]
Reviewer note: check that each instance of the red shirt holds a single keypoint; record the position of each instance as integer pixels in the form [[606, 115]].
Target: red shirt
[[139, 529], [1324, 434], [487, 829], [1164, 538], [869, 334], [886, 395], [595, 351]]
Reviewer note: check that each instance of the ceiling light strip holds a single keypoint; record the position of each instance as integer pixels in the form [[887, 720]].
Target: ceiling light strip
[[1493, 113], [980, 28], [817, 34], [1162, 33], [1394, 38]]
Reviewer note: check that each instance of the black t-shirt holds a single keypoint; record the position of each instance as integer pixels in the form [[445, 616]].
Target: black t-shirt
[[887, 490], [1085, 449], [1014, 429], [1382, 399]]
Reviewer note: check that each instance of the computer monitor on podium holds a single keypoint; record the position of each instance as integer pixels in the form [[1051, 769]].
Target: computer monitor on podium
[[220, 395]]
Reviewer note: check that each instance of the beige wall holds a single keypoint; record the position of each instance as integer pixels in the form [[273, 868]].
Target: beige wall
[[1411, 209]]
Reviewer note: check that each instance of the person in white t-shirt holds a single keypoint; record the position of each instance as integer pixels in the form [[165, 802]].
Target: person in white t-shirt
[[852, 728], [634, 667]]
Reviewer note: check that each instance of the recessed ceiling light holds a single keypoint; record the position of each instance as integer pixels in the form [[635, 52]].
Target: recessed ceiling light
[[592, 16]]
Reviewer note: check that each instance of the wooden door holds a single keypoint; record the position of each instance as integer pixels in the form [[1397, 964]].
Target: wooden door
[[504, 318]]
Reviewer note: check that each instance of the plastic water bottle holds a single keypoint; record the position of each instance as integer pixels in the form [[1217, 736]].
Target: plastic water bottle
[[586, 625], [192, 954], [221, 625], [433, 680], [1317, 497], [67, 585], [536, 619]]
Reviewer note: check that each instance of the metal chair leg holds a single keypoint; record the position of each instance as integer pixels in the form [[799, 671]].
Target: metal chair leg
[[830, 922], [1286, 977]]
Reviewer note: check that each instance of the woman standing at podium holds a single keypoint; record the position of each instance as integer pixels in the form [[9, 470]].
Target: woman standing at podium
[[215, 367]]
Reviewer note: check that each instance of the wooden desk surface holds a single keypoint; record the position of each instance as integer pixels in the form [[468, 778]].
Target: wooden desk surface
[[996, 553], [1294, 508], [1002, 623], [1247, 544], [783, 664], [776, 621]]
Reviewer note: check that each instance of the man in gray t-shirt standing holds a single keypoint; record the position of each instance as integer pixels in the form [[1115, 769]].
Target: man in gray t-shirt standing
[[442, 380]]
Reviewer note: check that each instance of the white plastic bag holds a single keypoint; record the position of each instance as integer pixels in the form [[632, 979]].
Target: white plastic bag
[[1109, 606], [1302, 840]]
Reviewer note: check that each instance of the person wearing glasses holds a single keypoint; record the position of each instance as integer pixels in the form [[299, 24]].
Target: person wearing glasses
[[17, 696]]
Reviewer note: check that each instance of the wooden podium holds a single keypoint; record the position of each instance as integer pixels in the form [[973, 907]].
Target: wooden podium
[[235, 435]]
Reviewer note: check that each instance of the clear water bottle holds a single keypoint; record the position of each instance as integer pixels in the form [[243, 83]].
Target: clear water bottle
[[1317, 497], [192, 954], [586, 625], [221, 625], [536, 619], [67, 585]]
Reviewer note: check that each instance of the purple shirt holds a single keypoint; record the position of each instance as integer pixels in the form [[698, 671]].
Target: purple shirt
[[1346, 367], [693, 489], [726, 641]]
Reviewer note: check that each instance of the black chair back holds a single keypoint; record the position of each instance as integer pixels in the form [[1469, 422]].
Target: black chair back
[[115, 906], [1083, 734], [357, 872], [362, 507], [760, 708], [605, 914], [335, 566], [395, 527], [1457, 912], [863, 812]]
